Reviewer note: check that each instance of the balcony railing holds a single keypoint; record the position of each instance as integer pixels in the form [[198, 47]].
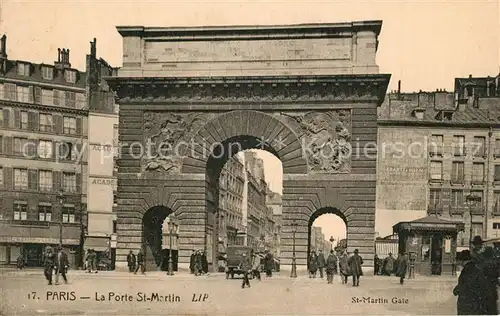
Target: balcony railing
[[27, 223], [457, 210], [44, 100]]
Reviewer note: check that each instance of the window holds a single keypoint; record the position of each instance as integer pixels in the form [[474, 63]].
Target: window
[[436, 171], [21, 146], [497, 147], [47, 73], [23, 69], [457, 172], [69, 125], [496, 202], [477, 172], [459, 145], [70, 76], [10, 92], [478, 193], [45, 180], [436, 144], [45, 149], [20, 211], [24, 94], [58, 97], [478, 146], [70, 99], [21, 179], [80, 100], [44, 213], [24, 120], [69, 182], [1, 177], [47, 97], [45, 122], [477, 229], [435, 197], [496, 225], [457, 198], [67, 151], [68, 214]]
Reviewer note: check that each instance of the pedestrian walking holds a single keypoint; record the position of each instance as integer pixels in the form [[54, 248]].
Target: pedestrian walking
[[192, 260], [61, 265], [268, 264], [131, 261], [88, 260], [198, 264], [48, 264], [321, 263], [344, 267], [491, 271], [331, 267], [256, 266], [472, 288], [94, 260], [204, 262], [140, 262], [20, 261], [355, 262], [245, 268], [389, 264], [401, 267], [313, 265], [376, 265]]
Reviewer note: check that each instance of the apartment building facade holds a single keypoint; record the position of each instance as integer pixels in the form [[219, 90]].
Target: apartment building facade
[[43, 134], [450, 151]]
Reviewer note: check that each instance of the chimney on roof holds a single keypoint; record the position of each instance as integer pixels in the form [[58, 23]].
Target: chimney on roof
[[62, 59], [470, 76], [3, 54], [399, 87], [93, 48]]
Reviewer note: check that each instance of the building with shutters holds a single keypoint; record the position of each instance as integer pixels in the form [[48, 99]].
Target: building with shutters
[[43, 134], [437, 148]]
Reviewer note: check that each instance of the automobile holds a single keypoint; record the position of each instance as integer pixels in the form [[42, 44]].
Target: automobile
[[234, 256]]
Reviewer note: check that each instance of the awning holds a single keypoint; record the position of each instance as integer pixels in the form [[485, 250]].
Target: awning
[[97, 243]]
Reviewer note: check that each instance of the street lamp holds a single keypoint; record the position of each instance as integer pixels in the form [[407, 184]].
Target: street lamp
[[331, 241], [293, 273], [172, 226], [471, 201], [61, 200]]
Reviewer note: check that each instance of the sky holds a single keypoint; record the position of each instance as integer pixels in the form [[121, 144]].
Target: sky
[[425, 44]]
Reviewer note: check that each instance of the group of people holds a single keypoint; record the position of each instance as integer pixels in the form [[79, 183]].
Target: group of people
[[198, 263], [477, 290], [90, 262], [252, 266], [135, 263], [348, 266], [55, 262], [390, 265]]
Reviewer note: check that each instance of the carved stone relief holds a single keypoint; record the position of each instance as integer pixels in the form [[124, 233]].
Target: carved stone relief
[[167, 134], [325, 139]]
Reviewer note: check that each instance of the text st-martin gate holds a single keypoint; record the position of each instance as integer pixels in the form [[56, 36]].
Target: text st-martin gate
[[191, 97]]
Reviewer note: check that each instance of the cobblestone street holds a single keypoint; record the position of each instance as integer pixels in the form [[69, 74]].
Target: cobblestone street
[[279, 295]]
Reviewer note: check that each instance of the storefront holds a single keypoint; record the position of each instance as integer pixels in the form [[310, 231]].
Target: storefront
[[431, 242]]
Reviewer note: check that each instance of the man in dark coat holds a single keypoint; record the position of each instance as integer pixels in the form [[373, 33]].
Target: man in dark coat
[[401, 267], [355, 262], [198, 264], [61, 265], [131, 261], [245, 268], [389, 265], [491, 271], [192, 262], [321, 263], [376, 265], [140, 262], [268, 264], [331, 267], [345, 271], [471, 288], [20, 261], [48, 263], [204, 262], [313, 264]]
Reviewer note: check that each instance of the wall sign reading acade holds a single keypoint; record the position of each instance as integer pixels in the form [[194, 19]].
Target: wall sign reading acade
[[104, 181]]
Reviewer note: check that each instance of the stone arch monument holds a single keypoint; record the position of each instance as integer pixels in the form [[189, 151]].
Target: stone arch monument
[[190, 98]]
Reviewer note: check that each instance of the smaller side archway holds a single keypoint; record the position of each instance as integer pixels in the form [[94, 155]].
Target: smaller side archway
[[153, 233], [320, 233]]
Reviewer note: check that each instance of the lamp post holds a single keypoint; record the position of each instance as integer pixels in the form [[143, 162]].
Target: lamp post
[[331, 241], [61, 200], [471, 201], [293, 273], [172, 226]]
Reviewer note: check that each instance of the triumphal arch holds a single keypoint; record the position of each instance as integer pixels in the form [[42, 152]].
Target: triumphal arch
[[190, 98]]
